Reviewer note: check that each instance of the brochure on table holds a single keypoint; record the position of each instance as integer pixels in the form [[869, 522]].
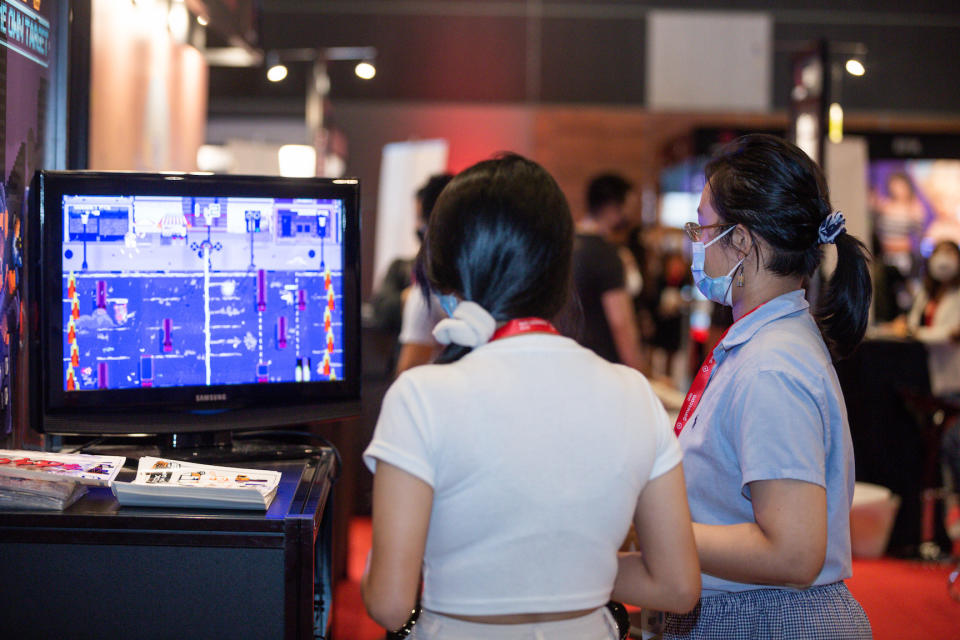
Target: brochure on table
[[162, 482], [84, 468]]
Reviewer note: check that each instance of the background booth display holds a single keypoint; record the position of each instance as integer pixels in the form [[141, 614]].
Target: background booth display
[[915, 203], [32, 136]]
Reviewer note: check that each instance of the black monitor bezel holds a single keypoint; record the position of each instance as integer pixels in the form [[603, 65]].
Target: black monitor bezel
[[178, 409]]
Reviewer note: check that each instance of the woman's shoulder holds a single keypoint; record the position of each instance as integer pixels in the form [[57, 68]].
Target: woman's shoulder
[[792, 345], [593, 365], [559, 359], [953, 295], [429, 376]]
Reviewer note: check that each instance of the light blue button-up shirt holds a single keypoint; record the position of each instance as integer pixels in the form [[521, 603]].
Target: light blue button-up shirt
[[773, 409]]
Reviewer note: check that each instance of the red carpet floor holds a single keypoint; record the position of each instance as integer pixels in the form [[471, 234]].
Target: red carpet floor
[[350, 619], [905, 600]]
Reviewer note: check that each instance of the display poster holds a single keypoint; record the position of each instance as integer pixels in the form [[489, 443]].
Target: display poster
[[914, 204], [27, 68]]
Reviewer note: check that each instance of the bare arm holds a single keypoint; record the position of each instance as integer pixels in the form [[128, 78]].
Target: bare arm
[[665, 575], [618, 309], [786, 545], [416, 340], [401, 516], [413, 354]]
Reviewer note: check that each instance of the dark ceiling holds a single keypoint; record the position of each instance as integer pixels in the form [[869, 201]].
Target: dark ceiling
[[579, 52]]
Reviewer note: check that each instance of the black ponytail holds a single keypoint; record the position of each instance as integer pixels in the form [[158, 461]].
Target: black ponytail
[[500, 235], [845, 309], [776, 191]]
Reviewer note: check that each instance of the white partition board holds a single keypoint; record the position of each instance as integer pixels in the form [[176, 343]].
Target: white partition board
[[709, 60], [404, 168]]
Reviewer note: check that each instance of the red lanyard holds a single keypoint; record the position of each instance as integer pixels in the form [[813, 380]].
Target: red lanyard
[[700, 384], [520, 326], [928, 312]]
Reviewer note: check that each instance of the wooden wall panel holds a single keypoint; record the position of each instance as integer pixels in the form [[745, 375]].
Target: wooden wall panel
[[576, 143], [148, 94]]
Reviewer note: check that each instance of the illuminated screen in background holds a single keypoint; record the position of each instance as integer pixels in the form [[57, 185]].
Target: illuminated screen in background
[[172, 291], [677, 208], [914, 204], [680, 187]]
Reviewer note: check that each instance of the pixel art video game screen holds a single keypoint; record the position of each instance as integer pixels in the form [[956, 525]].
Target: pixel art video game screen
[[172, 291]]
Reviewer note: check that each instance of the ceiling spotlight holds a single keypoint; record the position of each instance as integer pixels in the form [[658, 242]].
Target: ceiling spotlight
[[276, 73], [365, 70], [855, 67]]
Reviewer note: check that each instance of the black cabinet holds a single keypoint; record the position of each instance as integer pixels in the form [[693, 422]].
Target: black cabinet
[[98, 570]]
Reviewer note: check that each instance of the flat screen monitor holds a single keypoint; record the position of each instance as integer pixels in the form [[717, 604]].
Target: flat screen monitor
[[175, 303]]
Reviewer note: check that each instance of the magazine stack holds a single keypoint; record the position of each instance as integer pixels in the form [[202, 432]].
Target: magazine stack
[[52, 481]]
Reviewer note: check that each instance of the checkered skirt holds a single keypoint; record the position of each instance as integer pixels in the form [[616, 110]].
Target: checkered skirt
[[827, 612]]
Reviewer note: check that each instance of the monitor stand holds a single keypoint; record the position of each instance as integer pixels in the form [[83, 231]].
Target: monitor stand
[[224, 447], [221, 447]]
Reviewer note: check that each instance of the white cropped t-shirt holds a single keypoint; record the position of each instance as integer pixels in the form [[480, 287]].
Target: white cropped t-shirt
[[537, 450]]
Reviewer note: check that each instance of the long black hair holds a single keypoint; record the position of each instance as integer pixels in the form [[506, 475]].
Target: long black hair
[[773, 189], [500, 235]]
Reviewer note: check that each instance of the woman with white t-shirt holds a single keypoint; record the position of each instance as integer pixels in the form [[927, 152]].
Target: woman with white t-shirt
[[509, 473]]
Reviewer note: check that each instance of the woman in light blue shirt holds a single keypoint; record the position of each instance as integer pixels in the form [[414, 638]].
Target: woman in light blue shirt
[[767, 451]]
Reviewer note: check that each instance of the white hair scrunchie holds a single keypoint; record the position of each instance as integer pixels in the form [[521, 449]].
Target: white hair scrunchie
[[470, 326], [831, 227]]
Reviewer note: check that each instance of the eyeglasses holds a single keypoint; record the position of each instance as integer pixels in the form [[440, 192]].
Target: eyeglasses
[[695, 231]]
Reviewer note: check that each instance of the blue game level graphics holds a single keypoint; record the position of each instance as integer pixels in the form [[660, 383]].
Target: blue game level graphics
[[171, 291]]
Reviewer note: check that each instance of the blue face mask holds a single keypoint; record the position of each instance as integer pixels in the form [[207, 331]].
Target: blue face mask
[[719, 290], [448, 302]]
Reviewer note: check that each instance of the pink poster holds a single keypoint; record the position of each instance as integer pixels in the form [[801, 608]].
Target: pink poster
[[914, 205]]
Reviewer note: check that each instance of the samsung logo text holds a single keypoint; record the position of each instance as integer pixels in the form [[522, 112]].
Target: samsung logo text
[[210, 397]]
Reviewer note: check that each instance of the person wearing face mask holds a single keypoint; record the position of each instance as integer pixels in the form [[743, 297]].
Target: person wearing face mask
[[388, 304], [934, 319], [767, 446], [420, 313]]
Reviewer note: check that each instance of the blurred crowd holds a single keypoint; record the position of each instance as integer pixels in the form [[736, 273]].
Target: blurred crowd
[[635, 302], [634, 289]]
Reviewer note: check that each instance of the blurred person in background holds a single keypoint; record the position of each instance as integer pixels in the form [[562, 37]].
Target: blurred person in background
[[934, 320], [891, 291], [388, 300], [639, 243], [417, 314], [668, 313], [599, 275], [935, 314]]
